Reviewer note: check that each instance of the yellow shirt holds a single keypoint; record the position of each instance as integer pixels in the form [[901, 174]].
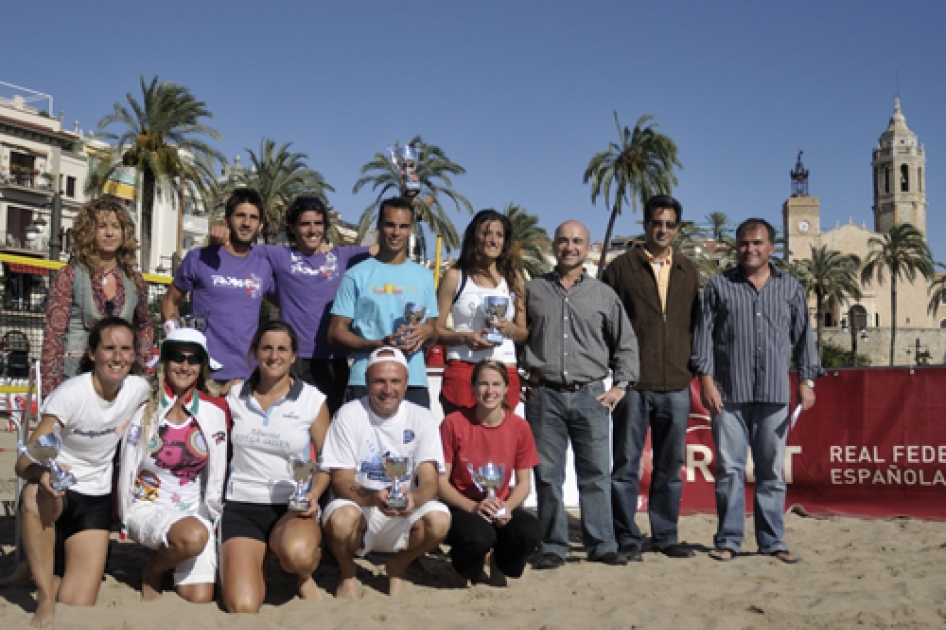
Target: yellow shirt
[[661, 267]]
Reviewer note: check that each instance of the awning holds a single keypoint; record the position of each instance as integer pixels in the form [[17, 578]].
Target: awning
[[21, 268]]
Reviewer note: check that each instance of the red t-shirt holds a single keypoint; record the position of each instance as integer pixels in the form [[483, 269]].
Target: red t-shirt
[[467, 445]]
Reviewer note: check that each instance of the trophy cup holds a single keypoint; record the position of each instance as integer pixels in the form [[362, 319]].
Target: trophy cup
[[414, 314], [405, 159], [44, 452], [302, 474], [495, 307], [490, 477], [395, 467]]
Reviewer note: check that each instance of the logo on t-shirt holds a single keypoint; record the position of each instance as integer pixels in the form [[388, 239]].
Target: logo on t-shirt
[[408, 436], [253, 285], [328, 270]]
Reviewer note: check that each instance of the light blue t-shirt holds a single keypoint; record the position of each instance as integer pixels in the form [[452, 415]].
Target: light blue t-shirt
[[373, 294]]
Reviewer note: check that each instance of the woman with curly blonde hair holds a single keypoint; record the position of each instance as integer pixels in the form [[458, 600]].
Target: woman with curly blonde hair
[[99, 281]]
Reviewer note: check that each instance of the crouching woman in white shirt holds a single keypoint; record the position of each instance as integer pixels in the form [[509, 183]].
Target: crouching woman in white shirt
[[276, 417], [66, 532], [173, 465]]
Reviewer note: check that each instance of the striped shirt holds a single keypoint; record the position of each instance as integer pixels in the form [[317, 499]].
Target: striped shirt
[[746, 338], [575, 334]]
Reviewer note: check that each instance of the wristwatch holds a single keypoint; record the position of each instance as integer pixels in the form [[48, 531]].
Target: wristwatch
[[809, 382], [621, 384]]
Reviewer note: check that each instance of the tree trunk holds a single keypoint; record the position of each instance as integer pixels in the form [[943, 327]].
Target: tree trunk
[[180, 219], [607, 240], [893, 316], [147, 218]]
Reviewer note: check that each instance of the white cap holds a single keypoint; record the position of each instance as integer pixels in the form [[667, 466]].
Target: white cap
[[191, 336], [387, 353]]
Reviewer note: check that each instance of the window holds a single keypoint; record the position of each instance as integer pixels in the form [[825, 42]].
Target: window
[[18, 219], [919, 179], [942, 323], [70, 187], [886, 179], [904, 178], [22, 166]]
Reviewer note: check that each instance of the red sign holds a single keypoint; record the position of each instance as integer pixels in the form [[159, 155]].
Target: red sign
[[873, 445]]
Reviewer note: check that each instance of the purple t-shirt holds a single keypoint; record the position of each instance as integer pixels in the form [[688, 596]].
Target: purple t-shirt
[[305, 288], [227, 289]]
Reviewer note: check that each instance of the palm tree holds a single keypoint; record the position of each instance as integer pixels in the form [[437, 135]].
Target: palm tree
[[831, 274], [903, 253], [157, 134], [433, 169], [719, 224], [531, 243], [279, 176], [639, 166], [937, 293]]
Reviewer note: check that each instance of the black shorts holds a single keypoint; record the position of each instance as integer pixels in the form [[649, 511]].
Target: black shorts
[[249, 520], [80, 512]]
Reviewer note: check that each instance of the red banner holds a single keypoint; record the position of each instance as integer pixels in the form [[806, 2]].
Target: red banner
[[873, 445]]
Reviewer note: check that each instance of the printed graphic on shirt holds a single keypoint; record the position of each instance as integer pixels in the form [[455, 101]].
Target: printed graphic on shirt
[[182, 451], [389, 288], [253, 285], [328, 270], [147, 486]]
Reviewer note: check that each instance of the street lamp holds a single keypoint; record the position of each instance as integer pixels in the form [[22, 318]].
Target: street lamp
[[857, 317], [55, 223]]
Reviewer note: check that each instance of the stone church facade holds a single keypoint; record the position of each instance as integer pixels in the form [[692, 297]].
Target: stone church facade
[[899, 193]]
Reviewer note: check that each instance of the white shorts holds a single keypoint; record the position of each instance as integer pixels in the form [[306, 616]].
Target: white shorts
[[148, 525], [385, 533]]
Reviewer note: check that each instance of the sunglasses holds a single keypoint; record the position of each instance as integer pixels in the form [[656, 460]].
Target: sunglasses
[[176, 356], [667, 225]]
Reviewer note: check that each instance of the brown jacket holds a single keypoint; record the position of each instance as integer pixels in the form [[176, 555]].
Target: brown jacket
[[665, 340]]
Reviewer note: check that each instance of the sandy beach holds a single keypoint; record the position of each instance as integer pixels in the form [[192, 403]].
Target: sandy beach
[[866, 573]]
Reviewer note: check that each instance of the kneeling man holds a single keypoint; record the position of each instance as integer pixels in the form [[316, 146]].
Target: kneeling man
[[359, 519]]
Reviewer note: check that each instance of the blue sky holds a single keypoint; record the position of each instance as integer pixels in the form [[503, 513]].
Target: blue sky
[[522, 93]]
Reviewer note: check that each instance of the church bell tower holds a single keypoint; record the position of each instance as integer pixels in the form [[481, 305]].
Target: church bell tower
[[899, 177]]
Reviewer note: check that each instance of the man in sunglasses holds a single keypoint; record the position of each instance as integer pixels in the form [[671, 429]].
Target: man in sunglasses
[[660, 291]]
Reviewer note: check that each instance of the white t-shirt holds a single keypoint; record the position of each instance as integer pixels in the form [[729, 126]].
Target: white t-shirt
[[264, 441], [92, 428], [469, 315], [357, 439]]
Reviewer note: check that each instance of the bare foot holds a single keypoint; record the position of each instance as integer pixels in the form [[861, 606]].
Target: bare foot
[[308, 589], [396, 568], [151, 583], [45, 615], [21, 577], [396, 586], [347, 588], [496, 577]]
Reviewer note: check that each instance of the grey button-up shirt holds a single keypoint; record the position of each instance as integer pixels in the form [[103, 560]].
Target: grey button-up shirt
[[575, 335], [746, 338]]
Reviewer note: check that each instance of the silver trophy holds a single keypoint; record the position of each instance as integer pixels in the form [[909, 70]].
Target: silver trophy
[[491, 477], [495, 307], [405, 159], [44, 452], [414, 314], [395, 467], [302, 474]]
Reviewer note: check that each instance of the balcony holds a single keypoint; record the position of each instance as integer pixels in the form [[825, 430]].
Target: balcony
[[26, 182]]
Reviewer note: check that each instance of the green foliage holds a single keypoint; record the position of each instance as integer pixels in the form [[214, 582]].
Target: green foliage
[[531, 242], [434, 170], [833, 356], [638, 166]]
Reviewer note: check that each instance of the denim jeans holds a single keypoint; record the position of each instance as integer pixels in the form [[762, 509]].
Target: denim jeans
[[666, 415], [556, 417], [763, 427]]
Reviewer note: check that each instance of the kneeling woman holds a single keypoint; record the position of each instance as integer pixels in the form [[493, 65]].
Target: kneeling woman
[[488, 433], [276, 417], [66, 532], [173, 464]]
